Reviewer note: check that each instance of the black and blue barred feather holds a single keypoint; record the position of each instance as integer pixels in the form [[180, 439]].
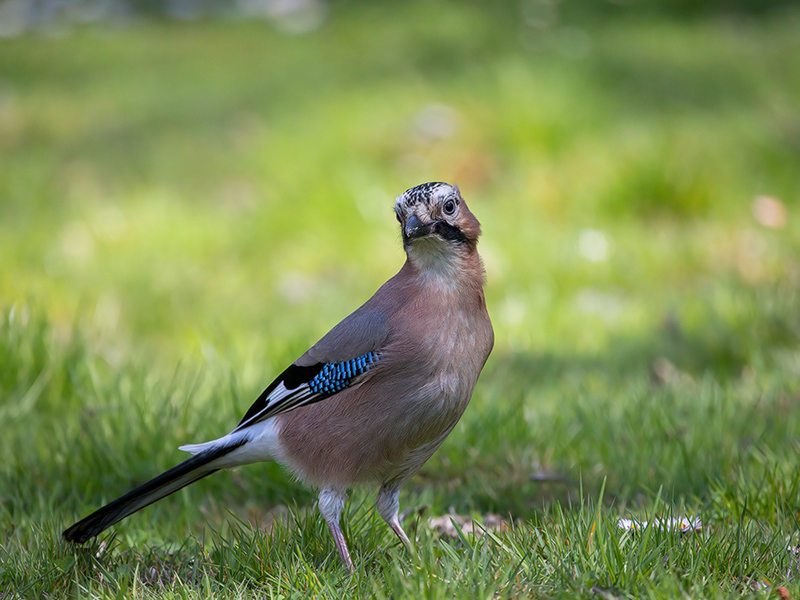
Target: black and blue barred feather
[[300, 386], [335, 376]]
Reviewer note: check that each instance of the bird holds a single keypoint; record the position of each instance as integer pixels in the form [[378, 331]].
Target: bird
[[376, 396]]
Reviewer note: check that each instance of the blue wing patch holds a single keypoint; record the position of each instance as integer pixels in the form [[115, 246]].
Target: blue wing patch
[[336, 376], [300, 386]]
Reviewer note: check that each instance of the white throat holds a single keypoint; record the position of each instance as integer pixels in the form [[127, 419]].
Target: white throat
[[437, 261]]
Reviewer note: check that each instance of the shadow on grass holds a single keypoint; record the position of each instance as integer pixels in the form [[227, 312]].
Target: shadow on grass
[[676, 409]]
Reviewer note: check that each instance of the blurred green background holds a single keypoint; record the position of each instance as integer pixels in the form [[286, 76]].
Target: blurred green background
[[225, 182], [189, 193]]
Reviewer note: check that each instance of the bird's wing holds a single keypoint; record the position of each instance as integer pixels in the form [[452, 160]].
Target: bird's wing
[[339, 360]]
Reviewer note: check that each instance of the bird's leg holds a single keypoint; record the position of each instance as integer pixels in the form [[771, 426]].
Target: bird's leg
[[331, 505], [388, 506]]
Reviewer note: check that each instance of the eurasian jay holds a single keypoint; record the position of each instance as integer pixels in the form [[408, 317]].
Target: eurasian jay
[[377, 395]]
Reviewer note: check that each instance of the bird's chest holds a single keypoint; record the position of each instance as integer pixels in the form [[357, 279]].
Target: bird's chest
[[448, 349], [448, 357], [434, 382]]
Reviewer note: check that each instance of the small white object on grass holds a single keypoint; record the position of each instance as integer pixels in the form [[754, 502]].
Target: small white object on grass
[[681, 524], [794, 562]]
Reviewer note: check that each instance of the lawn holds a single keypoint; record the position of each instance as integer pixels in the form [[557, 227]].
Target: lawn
[[186, 206]]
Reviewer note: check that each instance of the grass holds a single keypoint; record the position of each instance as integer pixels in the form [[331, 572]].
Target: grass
[[187, 206]]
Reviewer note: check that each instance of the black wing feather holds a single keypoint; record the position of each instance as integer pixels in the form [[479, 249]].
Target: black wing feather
[[302, 385], [291, 378]]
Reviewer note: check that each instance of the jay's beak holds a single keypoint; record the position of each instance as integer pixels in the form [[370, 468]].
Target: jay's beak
[[415, 228]]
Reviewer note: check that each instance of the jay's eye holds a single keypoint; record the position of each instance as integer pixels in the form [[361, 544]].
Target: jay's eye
[[449, 207]]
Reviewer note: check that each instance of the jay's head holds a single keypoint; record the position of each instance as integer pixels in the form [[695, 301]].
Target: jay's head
[[434, 218]]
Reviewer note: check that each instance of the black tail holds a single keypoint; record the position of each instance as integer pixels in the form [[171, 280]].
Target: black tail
[[177, 477]]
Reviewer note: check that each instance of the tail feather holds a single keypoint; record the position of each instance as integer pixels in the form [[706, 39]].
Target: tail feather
[[179, 476]]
